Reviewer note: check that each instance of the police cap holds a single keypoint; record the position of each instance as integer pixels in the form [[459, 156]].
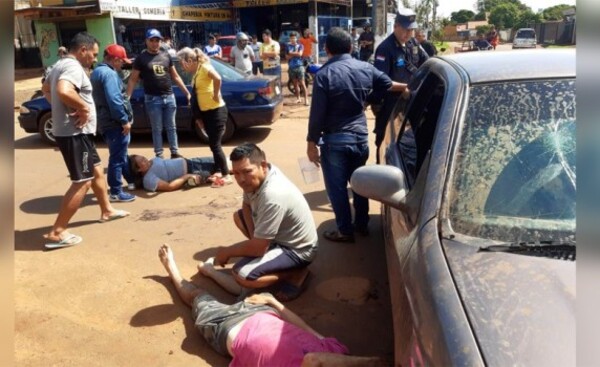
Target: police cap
[[406, 18]]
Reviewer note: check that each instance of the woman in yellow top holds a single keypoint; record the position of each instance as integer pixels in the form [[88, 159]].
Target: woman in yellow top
[[212, 106]]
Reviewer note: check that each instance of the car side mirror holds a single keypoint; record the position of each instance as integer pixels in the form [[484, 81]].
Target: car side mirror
[[385, 184]]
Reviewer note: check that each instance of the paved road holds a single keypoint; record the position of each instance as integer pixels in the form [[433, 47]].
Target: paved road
[[107, 301]]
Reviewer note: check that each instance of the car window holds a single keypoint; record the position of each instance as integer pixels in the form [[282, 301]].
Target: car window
[[417, 131], [227, 72], [514, 174], [525, 34]]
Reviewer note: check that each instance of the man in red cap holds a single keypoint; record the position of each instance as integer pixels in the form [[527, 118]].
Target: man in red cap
[[114, 118]]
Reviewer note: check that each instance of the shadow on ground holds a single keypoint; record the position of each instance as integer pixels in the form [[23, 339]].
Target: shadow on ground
[[163, 314], [33, 239]]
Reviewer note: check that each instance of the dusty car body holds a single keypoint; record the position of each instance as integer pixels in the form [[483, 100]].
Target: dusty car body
[[478, 214]]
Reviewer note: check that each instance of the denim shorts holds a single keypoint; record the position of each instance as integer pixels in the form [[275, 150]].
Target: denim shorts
[[215, 320], [278, 258]]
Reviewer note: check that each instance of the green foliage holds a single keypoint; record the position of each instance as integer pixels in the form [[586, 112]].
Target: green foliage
[[461, 16], [483, 29], [489, 5], [527, 19], [554, 12], [480, 16], [505, 15]]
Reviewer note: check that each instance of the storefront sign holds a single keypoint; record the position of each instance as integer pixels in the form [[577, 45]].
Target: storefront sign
[[205, 15], [137, 9], [253, 3]]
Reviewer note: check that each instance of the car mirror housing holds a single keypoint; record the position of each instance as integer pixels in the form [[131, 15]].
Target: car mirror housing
[[385, 184]]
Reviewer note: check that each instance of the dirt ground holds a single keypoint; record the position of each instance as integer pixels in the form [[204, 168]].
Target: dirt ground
[[108, 301]]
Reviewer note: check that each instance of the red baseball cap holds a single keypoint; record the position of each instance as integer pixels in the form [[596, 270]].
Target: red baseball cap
[[115, 50]]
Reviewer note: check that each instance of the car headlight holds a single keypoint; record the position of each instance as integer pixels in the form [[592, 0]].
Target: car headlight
[[23, 110]]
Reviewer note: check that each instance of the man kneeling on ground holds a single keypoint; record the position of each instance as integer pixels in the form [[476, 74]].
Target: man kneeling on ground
[[276, 219]]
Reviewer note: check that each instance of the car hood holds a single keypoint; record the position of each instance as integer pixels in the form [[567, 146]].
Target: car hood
[[521, 308]]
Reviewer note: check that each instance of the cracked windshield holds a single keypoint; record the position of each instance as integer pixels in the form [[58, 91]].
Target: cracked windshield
[[514, 178]]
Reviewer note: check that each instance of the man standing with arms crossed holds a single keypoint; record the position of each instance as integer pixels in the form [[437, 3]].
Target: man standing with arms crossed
[[157, 71], [114, 118], [69, 91], [269, 53], [296, 68]]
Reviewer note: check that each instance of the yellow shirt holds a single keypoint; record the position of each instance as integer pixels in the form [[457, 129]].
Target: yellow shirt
[[205, 88], [272, 46]]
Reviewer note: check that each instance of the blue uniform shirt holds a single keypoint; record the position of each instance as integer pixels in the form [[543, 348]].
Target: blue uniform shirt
[[397, 61], [340, 90]]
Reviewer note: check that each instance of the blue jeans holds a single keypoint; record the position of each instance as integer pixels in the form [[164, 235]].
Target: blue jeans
[[203, 166], [341, 155], [118, 165], [273, 71], [161, 113]]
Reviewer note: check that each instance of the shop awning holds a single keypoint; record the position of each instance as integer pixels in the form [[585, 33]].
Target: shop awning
[[53, 12]]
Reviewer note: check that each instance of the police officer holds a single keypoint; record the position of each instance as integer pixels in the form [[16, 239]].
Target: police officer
[[399, 56]]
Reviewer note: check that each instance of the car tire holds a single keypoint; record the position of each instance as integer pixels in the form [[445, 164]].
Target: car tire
[[45, 128], [229, 130]]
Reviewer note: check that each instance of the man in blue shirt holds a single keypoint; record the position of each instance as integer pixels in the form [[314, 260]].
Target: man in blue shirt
[[338, 126], [114, 118], [296, 67], [399, 56]]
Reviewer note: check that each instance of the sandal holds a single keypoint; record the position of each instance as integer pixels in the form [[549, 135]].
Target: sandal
[[221, 181]]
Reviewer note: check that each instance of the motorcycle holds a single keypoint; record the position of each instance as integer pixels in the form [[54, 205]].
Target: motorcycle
[[310, 69]]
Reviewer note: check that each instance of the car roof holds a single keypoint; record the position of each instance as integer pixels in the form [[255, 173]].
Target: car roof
[[492, 66]]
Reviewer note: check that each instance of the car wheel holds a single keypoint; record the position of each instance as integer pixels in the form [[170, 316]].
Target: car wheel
[[291, 87], [229, 130], [45, 128]]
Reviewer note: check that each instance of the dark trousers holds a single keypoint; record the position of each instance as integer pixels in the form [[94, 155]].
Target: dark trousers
[[215, 121]]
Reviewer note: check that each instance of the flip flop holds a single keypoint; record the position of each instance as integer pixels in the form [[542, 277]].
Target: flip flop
[[221, 181], [70, 240], [117, 215]]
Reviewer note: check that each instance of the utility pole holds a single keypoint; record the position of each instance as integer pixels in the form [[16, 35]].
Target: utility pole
[[379, 18]]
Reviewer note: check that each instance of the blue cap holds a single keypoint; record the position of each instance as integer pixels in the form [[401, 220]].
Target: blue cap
[[406, 18], [153, 33]]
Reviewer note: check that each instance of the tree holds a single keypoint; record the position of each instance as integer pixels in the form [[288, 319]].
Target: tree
[[527, 18], [489, 5], [461, 16], [505, 15], [480, 16], [555, 12]]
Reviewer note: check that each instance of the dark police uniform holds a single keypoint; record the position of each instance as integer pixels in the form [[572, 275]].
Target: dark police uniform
[[400, 63]]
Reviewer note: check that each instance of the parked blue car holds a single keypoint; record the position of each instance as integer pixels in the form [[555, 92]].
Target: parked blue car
[[251, 101]]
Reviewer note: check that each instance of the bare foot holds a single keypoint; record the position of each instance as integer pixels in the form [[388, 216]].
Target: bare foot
[[165, 254], [206, 267]]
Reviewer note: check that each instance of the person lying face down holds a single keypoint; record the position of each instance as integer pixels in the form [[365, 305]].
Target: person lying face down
[[159, 174]]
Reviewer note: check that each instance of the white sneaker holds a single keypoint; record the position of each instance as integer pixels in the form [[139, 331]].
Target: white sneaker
[[131, 187]]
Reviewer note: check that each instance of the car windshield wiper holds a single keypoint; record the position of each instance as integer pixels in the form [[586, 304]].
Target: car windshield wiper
[[563, 250]]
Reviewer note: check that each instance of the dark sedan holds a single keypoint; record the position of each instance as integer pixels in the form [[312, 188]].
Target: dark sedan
[[478, 194], [251, 101]]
